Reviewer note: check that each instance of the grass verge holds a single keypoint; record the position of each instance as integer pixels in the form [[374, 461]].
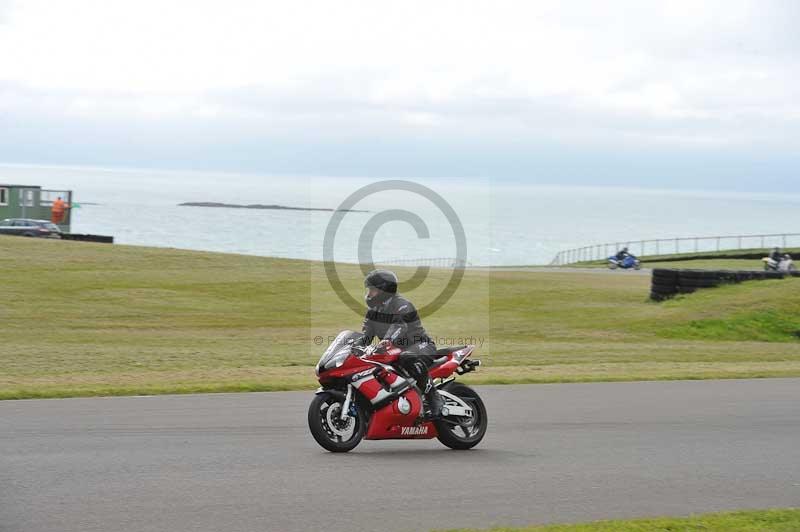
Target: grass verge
[[778, 520]]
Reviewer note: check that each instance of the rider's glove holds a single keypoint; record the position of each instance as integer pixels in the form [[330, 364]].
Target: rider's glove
[[383, 345]]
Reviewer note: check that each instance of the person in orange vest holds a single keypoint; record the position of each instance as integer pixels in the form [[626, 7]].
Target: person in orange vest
[[57, 214]]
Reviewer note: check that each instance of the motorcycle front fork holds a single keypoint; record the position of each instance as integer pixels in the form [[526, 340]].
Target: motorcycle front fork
[[348, 402]]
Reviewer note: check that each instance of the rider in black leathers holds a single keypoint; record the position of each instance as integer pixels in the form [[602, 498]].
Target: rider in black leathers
[[394, 319], [621, 254], [776, 255]]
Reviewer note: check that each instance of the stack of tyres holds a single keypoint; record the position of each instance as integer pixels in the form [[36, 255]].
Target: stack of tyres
[[748, 276], [690, 280], [664, 284], [760, 276]]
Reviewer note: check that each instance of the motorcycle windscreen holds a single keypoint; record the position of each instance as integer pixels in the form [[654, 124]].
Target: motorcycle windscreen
[[337, 352]]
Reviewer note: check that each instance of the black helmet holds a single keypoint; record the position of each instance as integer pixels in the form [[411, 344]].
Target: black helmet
[[383, 280]]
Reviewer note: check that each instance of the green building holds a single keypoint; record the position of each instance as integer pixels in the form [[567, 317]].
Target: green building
[[26, 201]]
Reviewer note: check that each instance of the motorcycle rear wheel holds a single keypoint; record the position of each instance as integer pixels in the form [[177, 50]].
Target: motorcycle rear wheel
[[463, 433], [329, 430]]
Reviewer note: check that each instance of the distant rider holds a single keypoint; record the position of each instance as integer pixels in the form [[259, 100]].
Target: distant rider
[[394, 320], [622, 254], [776, 255]]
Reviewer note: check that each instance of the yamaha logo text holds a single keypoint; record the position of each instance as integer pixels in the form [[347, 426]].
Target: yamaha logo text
[[414, 431]]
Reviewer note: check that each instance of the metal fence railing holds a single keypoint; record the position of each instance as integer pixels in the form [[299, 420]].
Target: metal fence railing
[[674, 246], [437, 262]]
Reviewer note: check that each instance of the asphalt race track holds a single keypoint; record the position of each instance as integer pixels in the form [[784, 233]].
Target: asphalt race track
[[245, 462]]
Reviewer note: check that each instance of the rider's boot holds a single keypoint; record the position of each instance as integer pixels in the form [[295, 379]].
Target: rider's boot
[[435, 402]]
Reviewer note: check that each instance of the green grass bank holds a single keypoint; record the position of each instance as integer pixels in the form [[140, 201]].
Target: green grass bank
[[787, 520], [82, 319]]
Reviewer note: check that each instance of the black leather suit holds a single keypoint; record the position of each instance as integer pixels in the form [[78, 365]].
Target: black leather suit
[[396, 319]]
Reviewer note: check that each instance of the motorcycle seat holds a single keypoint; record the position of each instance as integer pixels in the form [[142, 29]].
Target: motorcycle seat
[[447, 350]]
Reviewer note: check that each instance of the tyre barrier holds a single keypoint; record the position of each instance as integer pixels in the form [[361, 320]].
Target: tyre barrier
[[666, 283], [714, 255]]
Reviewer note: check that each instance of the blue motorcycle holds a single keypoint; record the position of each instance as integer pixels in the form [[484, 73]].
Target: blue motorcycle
[[628, 263]]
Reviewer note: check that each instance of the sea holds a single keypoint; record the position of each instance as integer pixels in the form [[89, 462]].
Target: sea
[[487, 222]]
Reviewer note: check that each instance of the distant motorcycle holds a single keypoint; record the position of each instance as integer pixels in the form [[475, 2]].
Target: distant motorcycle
[[784, 265], [628, 263]]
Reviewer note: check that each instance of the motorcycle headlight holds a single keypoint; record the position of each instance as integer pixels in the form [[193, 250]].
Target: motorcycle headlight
[[333, 359], [338, 351], [337, 359]]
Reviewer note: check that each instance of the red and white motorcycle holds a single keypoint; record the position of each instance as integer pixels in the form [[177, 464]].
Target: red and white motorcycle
[[364, 396]]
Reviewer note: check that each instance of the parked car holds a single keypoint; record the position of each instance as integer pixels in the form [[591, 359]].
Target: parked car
[[27, 227]]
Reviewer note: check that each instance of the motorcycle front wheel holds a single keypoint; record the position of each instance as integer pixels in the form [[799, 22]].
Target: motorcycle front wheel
[[461, 432], [328, 429]]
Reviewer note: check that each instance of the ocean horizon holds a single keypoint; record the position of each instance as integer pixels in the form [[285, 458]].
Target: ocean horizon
[[505, 223]]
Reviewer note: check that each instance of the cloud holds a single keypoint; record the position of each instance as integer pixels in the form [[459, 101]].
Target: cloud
[[679, 76]]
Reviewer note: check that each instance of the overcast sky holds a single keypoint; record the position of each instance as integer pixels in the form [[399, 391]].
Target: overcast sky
[[683, 94]]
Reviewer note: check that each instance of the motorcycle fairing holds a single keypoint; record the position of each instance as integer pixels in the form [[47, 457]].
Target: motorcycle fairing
[[390, 423]]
